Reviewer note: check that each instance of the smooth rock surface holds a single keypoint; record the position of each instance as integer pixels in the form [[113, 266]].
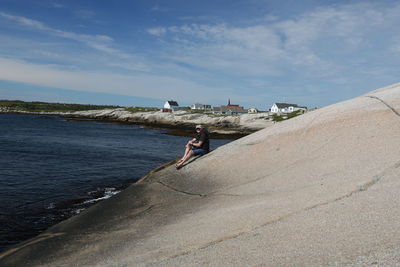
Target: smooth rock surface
[[321, 189]]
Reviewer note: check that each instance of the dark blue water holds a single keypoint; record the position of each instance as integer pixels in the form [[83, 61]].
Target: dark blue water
[[52, 168]]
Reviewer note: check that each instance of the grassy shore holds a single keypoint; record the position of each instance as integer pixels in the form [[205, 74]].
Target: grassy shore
[[17, 105]]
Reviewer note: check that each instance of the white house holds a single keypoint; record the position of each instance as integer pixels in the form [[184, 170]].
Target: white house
[[198, 106], [171, 105], [285, 108], [252, 110]]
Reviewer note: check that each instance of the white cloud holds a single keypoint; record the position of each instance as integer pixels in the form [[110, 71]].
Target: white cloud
[[303, 44], [25, 21], [250, 50], [141, 85], [199, 18], [57, 5], [84, 14], [99, 42], [158, 31], [395, 48], [158, 8], [270, 18]]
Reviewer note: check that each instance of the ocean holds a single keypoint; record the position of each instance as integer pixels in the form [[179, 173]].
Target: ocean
[[52, 168]]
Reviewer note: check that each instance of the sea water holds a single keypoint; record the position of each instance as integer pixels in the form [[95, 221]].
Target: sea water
[[52, 168]]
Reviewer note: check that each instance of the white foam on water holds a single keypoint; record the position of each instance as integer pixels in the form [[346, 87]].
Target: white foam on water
[[79, 210], [108, 192]]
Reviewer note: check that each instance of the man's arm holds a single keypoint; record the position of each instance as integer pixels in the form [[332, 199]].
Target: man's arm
[[199, 144], [190, 142], [201, 140]]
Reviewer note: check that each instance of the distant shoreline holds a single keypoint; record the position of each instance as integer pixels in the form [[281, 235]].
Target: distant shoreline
[[176, 130], [173, 128], [180, 122]]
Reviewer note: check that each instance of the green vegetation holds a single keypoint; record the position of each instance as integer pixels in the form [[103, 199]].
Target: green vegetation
[[188, 109], [219, 115], [191, 111], [16, 105], [263, 118], [140, 109], [276, 117], [188, 112], [199, 111], [295, 114]]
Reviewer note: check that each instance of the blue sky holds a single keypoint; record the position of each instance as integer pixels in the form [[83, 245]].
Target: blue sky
[[140, 53]]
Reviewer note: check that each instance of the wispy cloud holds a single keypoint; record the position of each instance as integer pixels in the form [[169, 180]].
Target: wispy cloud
[[84, 14], [158, 31], [142, 85], [25, 21], [159, 8], [300, 44], [207, 18], [97, 41], [57, 5], [270, 18]]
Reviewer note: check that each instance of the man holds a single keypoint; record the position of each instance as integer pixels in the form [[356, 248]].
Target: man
[[197, 146]]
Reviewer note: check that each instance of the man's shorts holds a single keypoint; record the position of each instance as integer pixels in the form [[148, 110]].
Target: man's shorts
[[199, 151]]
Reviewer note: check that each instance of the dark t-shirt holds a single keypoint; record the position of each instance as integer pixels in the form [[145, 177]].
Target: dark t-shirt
[[203, 136]]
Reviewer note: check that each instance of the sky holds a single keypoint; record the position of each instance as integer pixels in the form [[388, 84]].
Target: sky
[[144, 52]]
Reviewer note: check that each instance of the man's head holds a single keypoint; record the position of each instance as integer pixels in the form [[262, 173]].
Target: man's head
[[199, 128]]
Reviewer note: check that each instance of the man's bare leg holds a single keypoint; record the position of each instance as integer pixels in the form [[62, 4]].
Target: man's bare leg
[[186, 158], [187, 150]]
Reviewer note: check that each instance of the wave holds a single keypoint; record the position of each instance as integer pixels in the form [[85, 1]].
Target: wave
[[106, 193]]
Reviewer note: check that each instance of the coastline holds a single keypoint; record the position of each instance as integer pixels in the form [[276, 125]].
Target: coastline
[[318, 190], [14, 248], [178, 123], [74, 205]]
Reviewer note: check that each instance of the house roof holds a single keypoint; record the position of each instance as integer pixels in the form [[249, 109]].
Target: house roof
[[232, 109], [173, 103], [199, 104], [285, 105]]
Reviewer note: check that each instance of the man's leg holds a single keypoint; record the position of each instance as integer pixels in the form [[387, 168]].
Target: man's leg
[[184, 159], [187, 150]]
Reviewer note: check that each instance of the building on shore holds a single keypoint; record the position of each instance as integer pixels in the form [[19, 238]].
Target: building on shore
[[171, 105], [199, 106], [285, 108], [230, 109], [252, 110]]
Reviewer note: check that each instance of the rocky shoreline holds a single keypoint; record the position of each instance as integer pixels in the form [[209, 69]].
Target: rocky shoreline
[[317, 190], [180, 122]]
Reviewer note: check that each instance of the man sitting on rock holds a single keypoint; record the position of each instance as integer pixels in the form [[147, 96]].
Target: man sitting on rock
[[197, 146]]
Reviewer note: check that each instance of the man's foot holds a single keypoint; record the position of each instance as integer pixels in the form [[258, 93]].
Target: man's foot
[[178, 162], [179, 165]]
